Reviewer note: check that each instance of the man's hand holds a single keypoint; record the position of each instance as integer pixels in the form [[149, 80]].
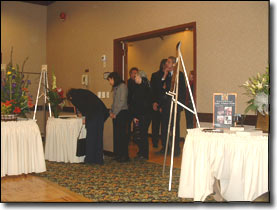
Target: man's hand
[[136, 120], [155, 106], [112, 115], [165, 73]]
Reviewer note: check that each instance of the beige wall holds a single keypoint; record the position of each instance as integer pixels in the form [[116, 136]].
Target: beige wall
[[232, 40], [23, 26], [147, 54]]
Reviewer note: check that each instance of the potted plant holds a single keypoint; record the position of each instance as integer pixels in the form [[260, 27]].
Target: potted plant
[[258, 88], [15, 97], [56, 98]]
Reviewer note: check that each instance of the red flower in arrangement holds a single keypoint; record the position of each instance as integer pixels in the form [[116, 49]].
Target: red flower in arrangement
[[30, 104], [16, 110], [25, 89], [8, 103], [60, 92]]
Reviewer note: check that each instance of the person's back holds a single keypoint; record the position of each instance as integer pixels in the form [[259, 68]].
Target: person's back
[[88, 103], [95, 113], [141, 102]]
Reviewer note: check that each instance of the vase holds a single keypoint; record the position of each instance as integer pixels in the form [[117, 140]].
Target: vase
[[56, 111], [8, 117], [262, 122]]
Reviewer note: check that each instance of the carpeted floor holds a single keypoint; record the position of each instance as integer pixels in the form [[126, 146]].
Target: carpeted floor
[[134, 181]]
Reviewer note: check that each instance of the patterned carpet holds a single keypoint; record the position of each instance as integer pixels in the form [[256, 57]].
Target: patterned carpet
[[134, 181]]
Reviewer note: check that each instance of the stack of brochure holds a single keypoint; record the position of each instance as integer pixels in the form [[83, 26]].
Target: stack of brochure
[[237, 128], [68, 116]]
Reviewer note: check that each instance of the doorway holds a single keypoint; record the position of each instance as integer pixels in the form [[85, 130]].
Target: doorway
[[121, 49]]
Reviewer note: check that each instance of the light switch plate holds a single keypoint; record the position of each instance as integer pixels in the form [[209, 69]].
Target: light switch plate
[[99, 94], [107, 94], [103, 95], [44, 67]]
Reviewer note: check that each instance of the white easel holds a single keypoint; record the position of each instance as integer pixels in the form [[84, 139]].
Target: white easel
[[174, 99], [43, 76]]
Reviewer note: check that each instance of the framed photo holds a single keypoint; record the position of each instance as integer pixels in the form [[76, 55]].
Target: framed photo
[[224, 108]]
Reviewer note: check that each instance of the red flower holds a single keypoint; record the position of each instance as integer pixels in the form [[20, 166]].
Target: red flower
[[16, 110], [60, 92], [30, 105], [9, 102]]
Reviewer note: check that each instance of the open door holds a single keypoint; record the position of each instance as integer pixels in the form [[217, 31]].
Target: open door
[[120, 59]]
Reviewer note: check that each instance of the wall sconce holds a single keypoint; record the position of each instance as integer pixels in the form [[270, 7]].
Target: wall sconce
[[62, 16]]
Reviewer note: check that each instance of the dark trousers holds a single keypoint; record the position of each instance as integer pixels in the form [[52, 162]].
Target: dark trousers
[[129, 127], [143, 144], [164, 127], [189, 117], [94, 139], [120, 142], [156, 123]]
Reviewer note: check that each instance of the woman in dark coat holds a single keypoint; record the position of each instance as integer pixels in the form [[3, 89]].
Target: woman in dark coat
[[95, 113], [141, 112]]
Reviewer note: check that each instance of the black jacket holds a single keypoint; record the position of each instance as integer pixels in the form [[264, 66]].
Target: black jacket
[[131, 86], [141, 100], [88, 103], [159, 92], [156, 86]]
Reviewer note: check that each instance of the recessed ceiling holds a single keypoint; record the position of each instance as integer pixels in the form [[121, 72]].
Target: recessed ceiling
[[44, 3]]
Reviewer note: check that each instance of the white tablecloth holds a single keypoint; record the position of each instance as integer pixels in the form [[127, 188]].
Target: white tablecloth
[[239, 162], [61, 139], [21, 148]]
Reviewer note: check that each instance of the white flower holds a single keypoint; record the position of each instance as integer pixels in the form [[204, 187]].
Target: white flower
[[261, 101], [246, 83], [54, 86], [259, 86]]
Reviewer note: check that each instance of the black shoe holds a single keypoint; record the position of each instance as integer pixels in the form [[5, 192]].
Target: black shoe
[[116, 158], [123, 159], [140, 157], [161, 151]]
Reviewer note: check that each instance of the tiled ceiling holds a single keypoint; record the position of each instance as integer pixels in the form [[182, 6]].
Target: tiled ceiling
[[44, 3]]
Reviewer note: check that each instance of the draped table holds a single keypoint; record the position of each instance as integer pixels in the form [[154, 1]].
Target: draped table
[[238, 160], [21, 148], [61, 139]]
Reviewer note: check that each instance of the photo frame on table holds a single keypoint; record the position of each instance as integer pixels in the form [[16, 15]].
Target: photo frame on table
[[224, 108]]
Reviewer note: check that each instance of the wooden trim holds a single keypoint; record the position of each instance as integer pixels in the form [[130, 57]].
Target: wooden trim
[[156, 33], [147, 35]]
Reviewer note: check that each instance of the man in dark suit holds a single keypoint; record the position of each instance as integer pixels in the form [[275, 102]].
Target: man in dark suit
[[95, 113], [131, 86], [156, 86], [166, 102]]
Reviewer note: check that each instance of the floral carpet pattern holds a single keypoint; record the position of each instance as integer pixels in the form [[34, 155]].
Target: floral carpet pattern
[[134, 181]]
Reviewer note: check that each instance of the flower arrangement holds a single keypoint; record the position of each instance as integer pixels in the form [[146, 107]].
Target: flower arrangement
[[15, 97], [258, 88], [56, 98]]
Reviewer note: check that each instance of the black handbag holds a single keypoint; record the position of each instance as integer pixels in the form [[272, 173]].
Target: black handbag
[[81, 145]]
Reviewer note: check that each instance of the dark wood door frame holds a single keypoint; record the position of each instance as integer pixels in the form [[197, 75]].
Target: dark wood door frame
[[118, 52]]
